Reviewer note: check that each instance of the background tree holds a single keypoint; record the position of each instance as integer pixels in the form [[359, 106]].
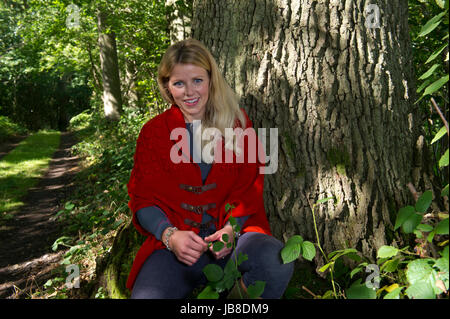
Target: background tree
[[336, 79]]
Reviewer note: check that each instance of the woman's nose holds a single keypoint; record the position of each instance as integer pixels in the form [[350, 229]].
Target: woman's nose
[[188, 90]]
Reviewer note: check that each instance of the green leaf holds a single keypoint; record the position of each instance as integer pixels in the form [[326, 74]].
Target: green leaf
[[326, 266], [323, 200], [429, 72], [441, 3], [241, 258], [431, 24], [424, 202], [403, 214], [360, 291], [256, 290], [425, 228], [442, 227], [218, 246], [444, 159], [411, 223], [208, 293], [435, 54], [213, 272], [420, 290], [439, 134], [292, 249], [390, 265], [387, 252], [69, 206], [422, 279], [436, 85], [444, 192], [394, 294], [225, 238], [308, 250]]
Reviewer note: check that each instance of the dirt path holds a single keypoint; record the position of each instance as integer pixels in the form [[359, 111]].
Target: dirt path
[[26, 257]]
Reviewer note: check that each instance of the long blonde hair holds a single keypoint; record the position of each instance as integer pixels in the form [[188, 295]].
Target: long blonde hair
[[222, 109]]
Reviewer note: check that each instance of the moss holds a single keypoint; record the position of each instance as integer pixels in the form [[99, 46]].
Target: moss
[[339, 158], [289, 143]]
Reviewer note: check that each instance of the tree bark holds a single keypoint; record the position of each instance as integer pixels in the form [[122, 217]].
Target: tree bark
[[336, 79], [112, 99], [179, 19]]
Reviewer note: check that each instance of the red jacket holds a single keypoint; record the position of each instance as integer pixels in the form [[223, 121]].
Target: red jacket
[[156, 180]]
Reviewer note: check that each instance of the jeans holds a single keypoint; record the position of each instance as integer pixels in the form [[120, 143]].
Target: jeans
[[162, 276]]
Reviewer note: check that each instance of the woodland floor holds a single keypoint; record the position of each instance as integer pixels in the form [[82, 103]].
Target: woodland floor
[[26, 257]]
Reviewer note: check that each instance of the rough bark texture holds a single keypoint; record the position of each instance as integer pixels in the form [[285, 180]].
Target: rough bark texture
[[179, 19], [338, 84], [112, 99]]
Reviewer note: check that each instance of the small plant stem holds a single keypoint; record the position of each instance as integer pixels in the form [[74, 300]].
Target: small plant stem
[[321, 250]]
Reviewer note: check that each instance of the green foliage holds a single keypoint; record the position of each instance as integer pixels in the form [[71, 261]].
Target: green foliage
[[9, 129]]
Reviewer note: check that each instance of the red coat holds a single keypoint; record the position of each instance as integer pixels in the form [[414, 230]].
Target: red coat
[[156, 180]]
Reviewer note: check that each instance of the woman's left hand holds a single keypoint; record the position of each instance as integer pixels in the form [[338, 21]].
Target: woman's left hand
[[227, 229]]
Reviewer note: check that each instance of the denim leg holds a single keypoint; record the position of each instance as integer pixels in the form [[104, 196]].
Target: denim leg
[[163, 276], [264, 263]]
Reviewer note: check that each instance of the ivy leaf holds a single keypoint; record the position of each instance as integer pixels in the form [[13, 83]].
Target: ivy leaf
[[424, 202]]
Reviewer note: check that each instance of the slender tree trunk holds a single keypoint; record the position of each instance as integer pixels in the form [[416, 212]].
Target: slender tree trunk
[[336, 79], [112, 99]]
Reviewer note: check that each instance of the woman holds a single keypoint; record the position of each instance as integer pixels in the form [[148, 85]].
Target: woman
[[178, 196]]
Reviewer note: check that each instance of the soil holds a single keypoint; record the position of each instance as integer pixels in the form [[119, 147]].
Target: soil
[[26, 256]]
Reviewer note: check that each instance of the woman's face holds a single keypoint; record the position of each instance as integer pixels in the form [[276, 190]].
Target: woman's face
[[189, 86]]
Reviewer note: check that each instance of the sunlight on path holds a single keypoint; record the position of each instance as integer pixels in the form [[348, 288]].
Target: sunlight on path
[[22, 167]]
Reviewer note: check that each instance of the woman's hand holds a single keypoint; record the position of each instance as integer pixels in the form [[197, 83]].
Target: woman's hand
[[187, 246], [227, 229]]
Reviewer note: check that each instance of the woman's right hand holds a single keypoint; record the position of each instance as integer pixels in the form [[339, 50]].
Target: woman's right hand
[[187, 246]]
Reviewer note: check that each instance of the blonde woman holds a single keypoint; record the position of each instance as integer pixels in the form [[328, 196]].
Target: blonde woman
[[179, 203]]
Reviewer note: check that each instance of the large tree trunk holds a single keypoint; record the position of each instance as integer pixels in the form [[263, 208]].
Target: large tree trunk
[[179, 20], [112, 99], [336, 79]]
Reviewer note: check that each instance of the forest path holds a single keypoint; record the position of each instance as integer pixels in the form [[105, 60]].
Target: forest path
[[26, 257]]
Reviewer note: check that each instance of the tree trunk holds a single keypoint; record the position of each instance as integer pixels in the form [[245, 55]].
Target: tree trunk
[[112, 99], [336, 79]]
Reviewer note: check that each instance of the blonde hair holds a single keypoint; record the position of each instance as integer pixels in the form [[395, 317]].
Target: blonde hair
[[222, 108]]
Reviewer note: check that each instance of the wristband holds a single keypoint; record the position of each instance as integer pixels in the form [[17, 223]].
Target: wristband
[[167, 235]]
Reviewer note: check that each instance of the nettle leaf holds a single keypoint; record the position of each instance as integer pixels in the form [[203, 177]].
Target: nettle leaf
[[424, 202], [257, 289], [403, 214], [213, 272], [387, 252]]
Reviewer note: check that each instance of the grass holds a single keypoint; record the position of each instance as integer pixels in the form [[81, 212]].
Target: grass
[[22, 167]]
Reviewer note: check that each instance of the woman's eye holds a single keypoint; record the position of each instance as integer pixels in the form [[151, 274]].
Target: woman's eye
[[198, 80], [178, 83]]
